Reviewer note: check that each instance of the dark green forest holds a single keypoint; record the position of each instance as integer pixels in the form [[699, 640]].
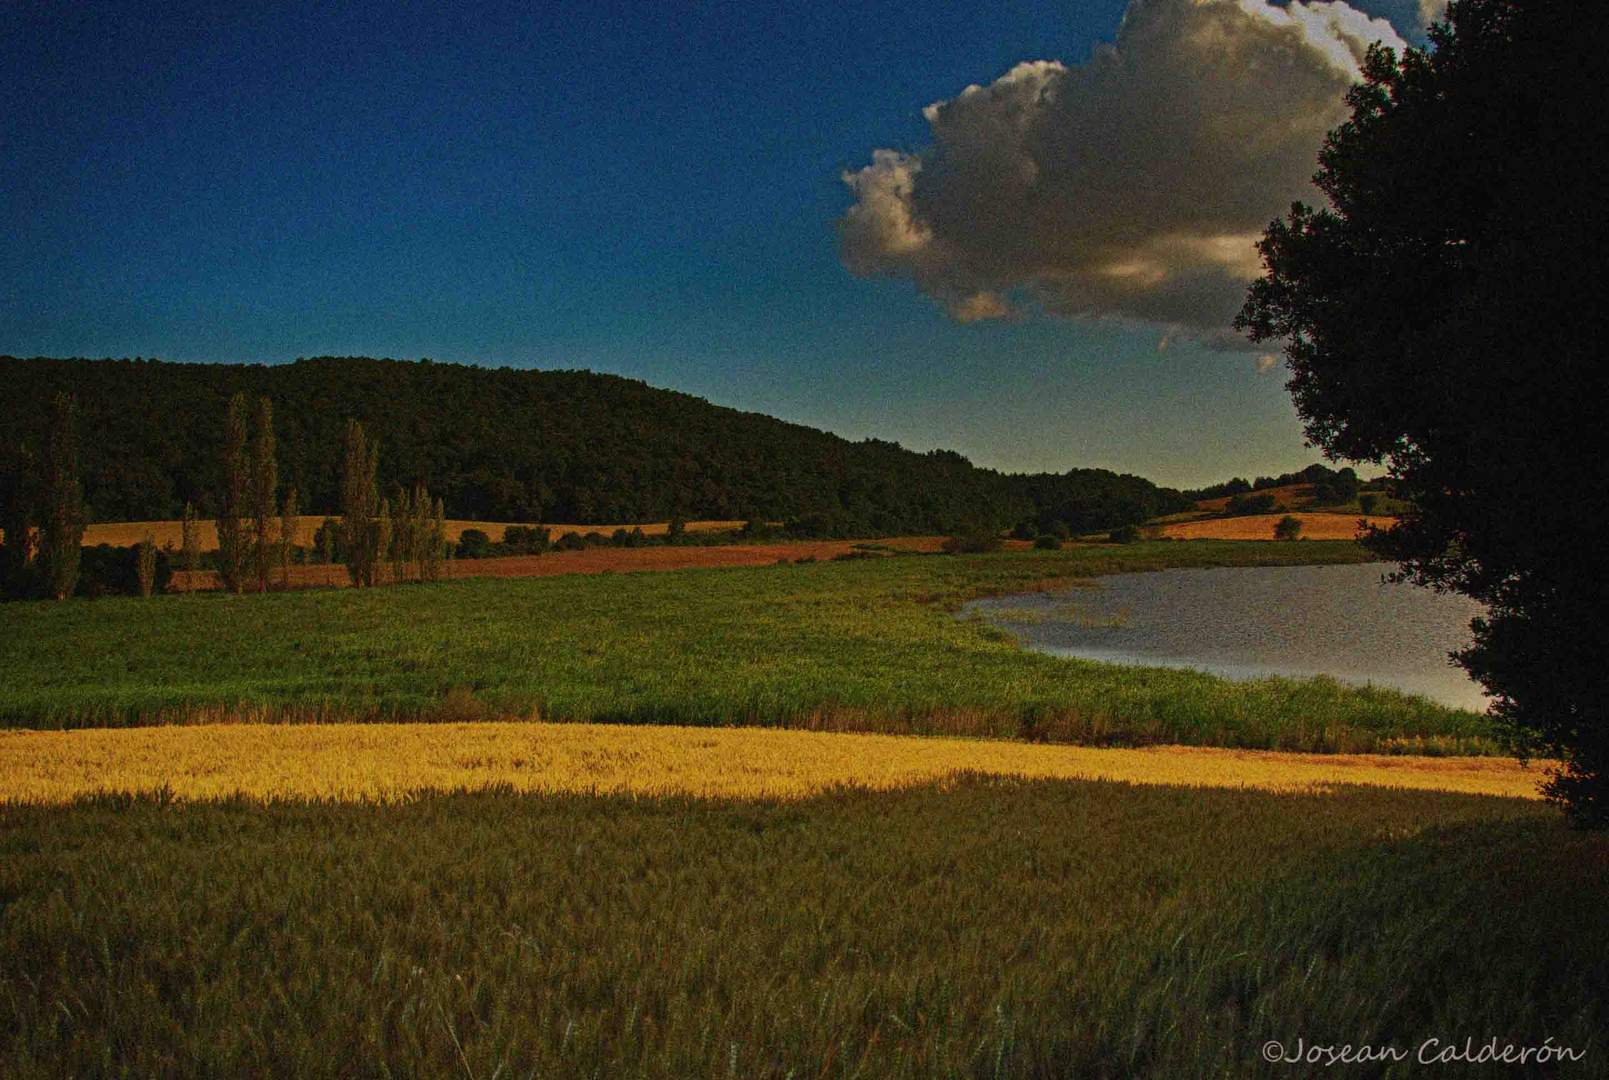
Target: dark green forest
[[521, 445]]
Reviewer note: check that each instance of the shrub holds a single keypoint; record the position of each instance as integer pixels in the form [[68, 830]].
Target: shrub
[[1124, 534], [570, 541], [474, 544], [1287, 528], [1368, 501], [1250, 504], [105, 570], [973, 542], [526, 540], [1047, 542], [758, 529]]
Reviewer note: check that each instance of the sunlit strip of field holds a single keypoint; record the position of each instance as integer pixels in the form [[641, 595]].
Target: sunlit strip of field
[[374, 761], [1261, 527]]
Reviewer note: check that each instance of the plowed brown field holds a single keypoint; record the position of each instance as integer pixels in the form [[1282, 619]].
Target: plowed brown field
[[601, 560]]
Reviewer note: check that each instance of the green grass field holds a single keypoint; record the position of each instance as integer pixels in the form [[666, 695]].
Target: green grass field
[[867, 644], [985, 928]]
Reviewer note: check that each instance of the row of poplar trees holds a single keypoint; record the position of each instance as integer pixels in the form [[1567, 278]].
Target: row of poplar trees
[[248, 548], [42, 521], [379, 540]]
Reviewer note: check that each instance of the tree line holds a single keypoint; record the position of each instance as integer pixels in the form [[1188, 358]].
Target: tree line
[[520, 445]]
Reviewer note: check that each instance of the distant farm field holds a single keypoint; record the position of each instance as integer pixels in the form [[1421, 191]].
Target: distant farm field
[[166, 533], [863, 645], [1261, 527], [1286, 496], [605, 560]]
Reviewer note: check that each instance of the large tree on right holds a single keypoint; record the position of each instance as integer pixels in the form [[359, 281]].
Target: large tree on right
[[1444, 316]]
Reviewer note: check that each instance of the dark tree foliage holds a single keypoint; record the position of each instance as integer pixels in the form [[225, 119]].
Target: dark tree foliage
[[1320, 476], [114, 571], [61, 522], [511, 445], [1442, 315]]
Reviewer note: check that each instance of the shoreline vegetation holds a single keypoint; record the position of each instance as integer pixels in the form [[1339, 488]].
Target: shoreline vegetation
[[865, 645]]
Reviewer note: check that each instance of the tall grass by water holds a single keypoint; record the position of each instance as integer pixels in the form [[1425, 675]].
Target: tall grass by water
[[868, 644]]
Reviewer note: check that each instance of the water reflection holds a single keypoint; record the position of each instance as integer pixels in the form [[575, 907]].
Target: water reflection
[[1250, 622]]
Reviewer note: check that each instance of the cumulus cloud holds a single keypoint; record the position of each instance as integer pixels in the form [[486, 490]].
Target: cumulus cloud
[[1431, 10], [1133, 186]]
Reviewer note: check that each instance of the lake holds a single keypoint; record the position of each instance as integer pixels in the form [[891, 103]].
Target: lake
[[1253, 622]]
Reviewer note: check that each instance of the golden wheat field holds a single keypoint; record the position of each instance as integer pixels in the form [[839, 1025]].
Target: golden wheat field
[[164, 533], [381, 761], [1261, 527]]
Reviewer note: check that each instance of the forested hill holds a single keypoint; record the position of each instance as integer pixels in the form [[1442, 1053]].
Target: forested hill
[[520, 445]]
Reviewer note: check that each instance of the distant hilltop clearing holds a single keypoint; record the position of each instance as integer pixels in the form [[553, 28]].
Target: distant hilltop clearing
[[500, 444]]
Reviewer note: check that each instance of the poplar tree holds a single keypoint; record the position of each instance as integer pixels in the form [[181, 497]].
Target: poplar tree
[[145, 565], [421, 528], [61, 536], [382, 542], [436, 547], [359, 497], [18, 493], [190, 544], [403, 539], [289, 512], [232, 554], [264, 484]]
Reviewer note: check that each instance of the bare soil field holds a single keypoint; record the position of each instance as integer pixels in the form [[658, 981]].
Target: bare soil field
[[164, 533], [1261, 527], [605, 560]]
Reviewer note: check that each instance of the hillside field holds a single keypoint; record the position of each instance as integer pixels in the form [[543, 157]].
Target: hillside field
[[1315, 526]]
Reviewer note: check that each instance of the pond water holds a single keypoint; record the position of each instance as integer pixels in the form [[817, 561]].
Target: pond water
[[1252, 622]]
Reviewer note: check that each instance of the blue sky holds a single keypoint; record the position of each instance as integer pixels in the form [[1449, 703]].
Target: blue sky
[[650, 190]]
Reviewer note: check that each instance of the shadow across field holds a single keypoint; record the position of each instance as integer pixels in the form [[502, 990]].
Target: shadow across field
[[979, 927]]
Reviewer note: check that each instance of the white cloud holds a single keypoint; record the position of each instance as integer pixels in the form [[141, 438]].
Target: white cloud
[[1132, 186], [1431, 10]]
